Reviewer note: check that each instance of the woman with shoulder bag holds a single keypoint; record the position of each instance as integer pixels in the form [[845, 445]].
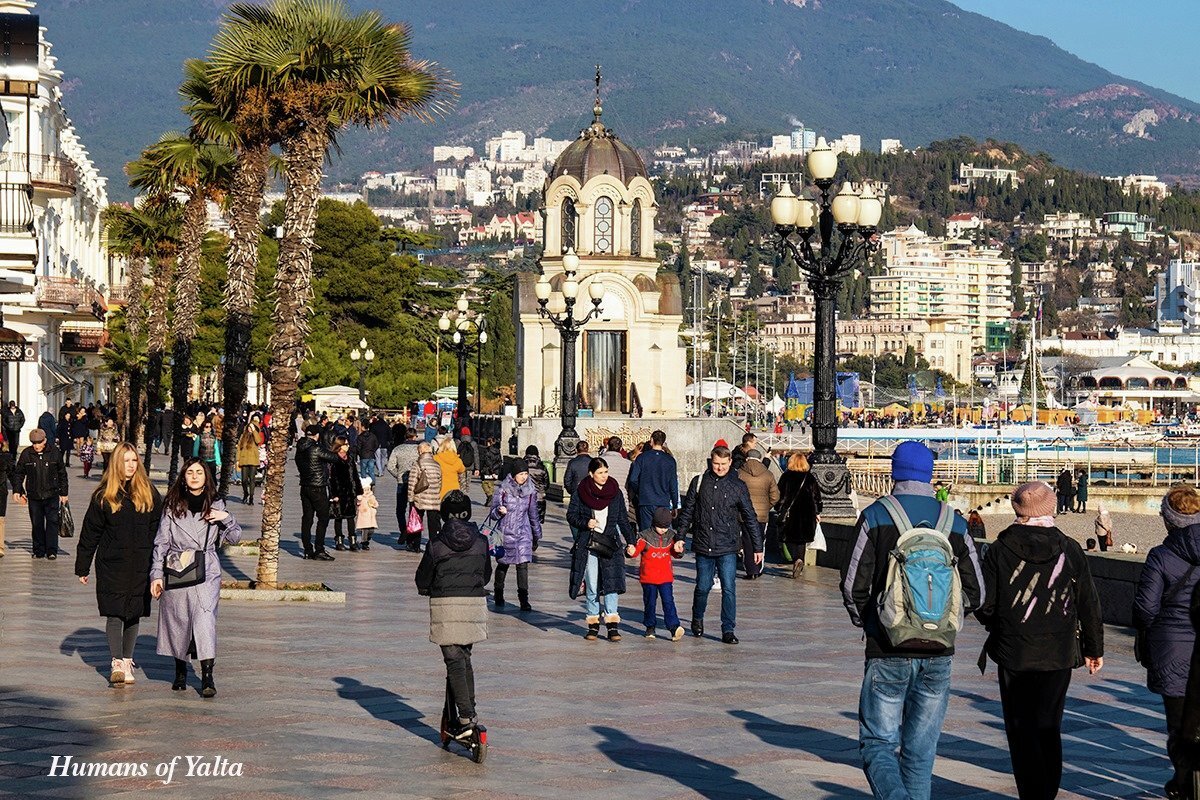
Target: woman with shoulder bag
[[798, 511], [185, 574], [424, 495], [598, 522], [1163, 618], [118, 531], [106, 441], [515, 505], [344, 488]]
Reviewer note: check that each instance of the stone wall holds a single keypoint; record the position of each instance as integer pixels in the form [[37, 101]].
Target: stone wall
[[1115, 574]]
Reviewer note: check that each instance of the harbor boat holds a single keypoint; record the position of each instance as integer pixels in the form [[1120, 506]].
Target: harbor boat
[[1122, 433]]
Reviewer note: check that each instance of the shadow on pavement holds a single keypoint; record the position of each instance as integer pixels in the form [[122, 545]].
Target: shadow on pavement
[[91, 644], [33, 729], [386, 705], [705, 778]]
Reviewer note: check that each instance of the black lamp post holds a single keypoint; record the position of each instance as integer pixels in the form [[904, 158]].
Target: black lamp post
[[363, 356], [468, 337], [806, 231], [566, 446]]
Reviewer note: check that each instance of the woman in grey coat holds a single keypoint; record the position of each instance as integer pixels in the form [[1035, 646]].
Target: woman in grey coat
[[193, 519]]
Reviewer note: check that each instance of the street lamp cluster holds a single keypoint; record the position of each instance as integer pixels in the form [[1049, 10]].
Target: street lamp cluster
[[806, 229], [563, 318], [362, 356], [469, 335]]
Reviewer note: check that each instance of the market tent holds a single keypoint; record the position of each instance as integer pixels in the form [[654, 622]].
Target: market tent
[[776, 405], [894, 409], [337, 397], [715, 389], [448, 393]]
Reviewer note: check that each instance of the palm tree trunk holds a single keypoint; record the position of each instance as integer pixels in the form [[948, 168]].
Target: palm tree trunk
[[135, 322], [156, 344], [304, 155], [249, 181], [187, 311]]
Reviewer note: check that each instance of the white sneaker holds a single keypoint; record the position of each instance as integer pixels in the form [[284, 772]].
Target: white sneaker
[[128, 670], [117, 674]]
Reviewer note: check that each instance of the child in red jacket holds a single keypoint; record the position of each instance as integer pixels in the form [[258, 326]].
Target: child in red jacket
[[658, 580]]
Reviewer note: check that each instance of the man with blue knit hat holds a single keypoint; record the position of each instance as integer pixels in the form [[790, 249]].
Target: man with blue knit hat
[[912, 575]]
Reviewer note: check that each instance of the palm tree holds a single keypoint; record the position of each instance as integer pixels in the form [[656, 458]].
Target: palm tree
[[322, 70], [243, 122], [130, 232], [200, 171]]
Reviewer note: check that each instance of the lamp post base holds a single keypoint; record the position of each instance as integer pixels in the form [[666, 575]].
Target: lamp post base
[[833, 479], [566, 447]]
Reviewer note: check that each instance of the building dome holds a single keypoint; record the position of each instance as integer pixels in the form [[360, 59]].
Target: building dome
[[598, 151]]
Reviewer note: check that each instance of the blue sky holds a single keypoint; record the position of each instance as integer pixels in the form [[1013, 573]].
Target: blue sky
[[1152, 41]]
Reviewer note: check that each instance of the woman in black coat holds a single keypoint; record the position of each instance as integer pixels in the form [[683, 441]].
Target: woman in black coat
[[599, 504], [344, 489], [118, 530], [798, 510]]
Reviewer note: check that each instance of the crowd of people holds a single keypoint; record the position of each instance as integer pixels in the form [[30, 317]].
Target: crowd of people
[[917, 568]]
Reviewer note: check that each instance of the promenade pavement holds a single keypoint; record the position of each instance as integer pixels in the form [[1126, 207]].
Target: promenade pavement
[[328, 701]]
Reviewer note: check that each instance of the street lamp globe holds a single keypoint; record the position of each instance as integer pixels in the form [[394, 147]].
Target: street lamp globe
[[869, 208], [542, 289], [461, 305], [444, 322], [483, 337], [806, 213], [783, 206], [570, 287], [369, 355], [457, 337], [355, 355], [845, 205], [596, 290], [822, 161], [570, 261], [362, 343]]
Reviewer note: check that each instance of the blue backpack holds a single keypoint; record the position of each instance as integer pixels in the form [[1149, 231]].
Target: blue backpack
[[921, 603]]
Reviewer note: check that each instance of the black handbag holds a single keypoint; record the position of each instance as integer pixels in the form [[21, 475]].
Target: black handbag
[[602, 544], [190, 574]]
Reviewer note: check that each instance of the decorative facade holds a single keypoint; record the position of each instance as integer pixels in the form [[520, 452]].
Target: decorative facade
[[599, 203], [56, 279]]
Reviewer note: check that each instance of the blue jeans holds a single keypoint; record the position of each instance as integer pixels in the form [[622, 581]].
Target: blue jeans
[[591, 580], [651, 592], [366, 468], [726, 567], [902, 705]]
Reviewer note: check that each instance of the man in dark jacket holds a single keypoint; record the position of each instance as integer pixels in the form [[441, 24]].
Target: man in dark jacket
[[654, 481], [468, 452], [577, 467], [491, 464], [716, 511], [1041, 612], [40, 479], [918, 706], [749, 442], [365, 447], [383, 438], [312, 461], [12, 419]]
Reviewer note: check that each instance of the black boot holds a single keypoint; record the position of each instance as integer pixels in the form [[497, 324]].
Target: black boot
[[354, 543], [697, 628], [366, 542], [338, 543], [593, 629], [498, 596], [180, 675], [523, 596], [207, 687]]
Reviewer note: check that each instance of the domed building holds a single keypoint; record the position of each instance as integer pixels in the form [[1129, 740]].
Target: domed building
[[599, 204]]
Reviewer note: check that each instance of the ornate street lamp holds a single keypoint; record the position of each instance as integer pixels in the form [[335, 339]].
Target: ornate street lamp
[[469, 336], [362, 356], [568, 327], [827, 238]]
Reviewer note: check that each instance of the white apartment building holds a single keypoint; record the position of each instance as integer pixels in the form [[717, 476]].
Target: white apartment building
[[959, 224], [1169, 345], [447, 179], [56, 279], [477, 185], [945, 344], [1177, 294], [1141, 184], [968, 174], [849, 144], [1067, 227], [929, 277], [446, 152], [887, 146], [1037, 277]]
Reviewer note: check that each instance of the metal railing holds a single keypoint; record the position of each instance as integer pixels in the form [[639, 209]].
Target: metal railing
[[43, 170], [57, 290], [16, 208]]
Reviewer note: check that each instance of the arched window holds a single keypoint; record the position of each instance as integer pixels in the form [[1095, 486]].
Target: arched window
[[604, 225], [569, 225], [635, 229]]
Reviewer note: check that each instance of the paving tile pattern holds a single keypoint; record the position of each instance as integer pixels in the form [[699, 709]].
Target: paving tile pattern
[[319, 701]]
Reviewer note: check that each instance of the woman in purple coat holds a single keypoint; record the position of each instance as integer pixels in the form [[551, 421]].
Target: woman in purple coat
[[515, 504], [193, 519], [1162, 612]]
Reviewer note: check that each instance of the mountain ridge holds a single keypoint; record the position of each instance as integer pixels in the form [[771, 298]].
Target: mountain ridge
[[917, 70]]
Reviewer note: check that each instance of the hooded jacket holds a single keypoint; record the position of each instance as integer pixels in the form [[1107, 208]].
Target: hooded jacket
[[456, 563], [1162, 603], [1037, 641], [764, 492]]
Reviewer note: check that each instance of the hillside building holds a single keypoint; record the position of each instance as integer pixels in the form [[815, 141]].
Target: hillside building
[[969, 174]]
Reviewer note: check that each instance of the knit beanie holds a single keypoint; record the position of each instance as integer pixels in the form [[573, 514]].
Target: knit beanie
[[455, 505], [1034, 499], [663, 518], [912, 461]]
